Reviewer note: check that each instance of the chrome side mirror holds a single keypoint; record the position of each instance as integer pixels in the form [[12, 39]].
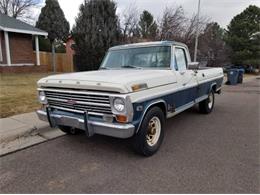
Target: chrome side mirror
[[193, 65]]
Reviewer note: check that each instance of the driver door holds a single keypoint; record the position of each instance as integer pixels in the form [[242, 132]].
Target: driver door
[[187, 82]]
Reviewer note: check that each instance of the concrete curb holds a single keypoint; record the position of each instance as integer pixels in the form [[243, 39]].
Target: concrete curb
[[21, 125], [21, 131], [26, 141]]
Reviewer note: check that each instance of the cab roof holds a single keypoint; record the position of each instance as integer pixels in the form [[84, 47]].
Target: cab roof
[[147, 44]]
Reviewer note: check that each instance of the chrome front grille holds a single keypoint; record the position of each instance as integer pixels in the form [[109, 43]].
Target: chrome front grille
[[79, 101]]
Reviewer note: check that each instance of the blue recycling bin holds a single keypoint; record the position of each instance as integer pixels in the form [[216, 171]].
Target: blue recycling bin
[[241, 72], [232, 76]]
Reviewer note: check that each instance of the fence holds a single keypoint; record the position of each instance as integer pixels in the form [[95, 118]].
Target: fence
[[64, 62]]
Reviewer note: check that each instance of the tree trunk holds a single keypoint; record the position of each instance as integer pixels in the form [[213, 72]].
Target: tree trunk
[[53, 56]]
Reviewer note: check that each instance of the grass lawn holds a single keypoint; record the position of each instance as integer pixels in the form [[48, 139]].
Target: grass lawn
[[18, 93]]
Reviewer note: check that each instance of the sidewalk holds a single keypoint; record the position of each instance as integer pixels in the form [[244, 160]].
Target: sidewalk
[[20, 131]]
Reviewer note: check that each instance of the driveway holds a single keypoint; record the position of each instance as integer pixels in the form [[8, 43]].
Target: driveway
[[216, 153]]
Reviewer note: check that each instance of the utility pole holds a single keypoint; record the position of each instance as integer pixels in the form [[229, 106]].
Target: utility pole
[[197, 33]]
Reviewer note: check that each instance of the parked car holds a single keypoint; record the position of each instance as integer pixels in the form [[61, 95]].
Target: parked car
[[136, 89], [250, 69]]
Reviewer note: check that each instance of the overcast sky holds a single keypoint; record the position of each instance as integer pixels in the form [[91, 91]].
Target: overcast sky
[[221, 11]]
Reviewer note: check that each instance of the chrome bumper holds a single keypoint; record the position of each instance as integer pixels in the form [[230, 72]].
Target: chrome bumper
[[91, 127]]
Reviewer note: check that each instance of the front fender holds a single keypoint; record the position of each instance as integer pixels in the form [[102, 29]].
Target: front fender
[[140, 110]]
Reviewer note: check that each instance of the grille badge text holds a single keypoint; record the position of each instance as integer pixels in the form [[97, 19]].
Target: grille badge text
[[71, 102]]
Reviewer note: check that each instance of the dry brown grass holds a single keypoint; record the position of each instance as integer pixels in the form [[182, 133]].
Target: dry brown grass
[[18, 93], [249, 75]]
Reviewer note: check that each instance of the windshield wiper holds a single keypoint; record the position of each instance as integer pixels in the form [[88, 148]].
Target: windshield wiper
[[130, 66]]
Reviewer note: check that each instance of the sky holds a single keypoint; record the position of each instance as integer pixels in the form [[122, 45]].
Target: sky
[[221, 11]]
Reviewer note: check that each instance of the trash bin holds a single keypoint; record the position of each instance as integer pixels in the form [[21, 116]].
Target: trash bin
[[240, 75], [232, 76]]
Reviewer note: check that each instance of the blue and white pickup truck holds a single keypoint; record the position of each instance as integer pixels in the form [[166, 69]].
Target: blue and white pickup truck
[[137, 87]]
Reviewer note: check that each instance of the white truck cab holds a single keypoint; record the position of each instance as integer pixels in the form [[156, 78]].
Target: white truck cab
[[137, 87]]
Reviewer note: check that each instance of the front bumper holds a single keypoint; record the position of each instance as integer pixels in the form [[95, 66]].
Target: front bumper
[[86, 123]]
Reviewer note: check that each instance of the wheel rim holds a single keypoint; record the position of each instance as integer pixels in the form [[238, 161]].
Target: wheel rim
[[154, 131], [210, 103]]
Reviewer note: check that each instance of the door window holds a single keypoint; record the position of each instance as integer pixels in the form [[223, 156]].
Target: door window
[[1, 55], [180, 59]]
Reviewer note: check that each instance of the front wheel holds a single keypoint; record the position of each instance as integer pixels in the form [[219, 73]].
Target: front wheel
[[151, 133], [207, 105]]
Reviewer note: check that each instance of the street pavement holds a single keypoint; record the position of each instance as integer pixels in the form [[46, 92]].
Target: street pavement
[[215, 153]]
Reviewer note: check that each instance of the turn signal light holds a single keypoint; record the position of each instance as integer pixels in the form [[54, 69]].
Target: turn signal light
[[121, 118], [139, 87]]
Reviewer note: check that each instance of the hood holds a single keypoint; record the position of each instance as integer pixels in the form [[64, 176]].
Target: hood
[[110, 80]]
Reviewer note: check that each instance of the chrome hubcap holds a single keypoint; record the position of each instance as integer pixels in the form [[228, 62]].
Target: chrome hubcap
[[210, 104], [154, 131]]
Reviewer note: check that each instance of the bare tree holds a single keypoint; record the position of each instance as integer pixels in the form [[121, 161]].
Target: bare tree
[[171, 25], [174, 25], [189, 30], [130, 19], [18, 8]]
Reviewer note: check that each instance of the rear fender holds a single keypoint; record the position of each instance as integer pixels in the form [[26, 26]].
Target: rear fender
[[213, 87]]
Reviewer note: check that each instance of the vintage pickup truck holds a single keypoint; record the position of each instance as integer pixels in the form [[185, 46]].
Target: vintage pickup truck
[[137, 87]]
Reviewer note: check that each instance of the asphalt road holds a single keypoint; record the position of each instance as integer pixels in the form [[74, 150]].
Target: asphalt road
[[216, 153]]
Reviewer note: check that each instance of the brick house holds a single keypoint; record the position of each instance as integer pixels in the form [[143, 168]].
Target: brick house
[[69, 46], [16, 46]]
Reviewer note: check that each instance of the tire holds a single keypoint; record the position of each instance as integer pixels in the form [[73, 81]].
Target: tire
[[152, 126], [207, 105], [69, 130]]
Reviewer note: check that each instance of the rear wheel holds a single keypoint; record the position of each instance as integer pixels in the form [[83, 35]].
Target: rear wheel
[[207, 105], [151, 133], [69, 130]]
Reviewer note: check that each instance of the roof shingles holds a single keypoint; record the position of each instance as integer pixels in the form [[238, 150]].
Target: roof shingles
[[13, 25]]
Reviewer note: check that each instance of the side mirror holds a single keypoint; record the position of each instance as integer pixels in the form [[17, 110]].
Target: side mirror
[[193, 65]]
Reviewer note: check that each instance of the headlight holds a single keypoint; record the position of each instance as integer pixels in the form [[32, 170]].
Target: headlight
[[119, 104], [122, 106], [42, 97]]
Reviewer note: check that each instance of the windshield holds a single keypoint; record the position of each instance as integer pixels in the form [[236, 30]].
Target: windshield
[[144, 57]]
